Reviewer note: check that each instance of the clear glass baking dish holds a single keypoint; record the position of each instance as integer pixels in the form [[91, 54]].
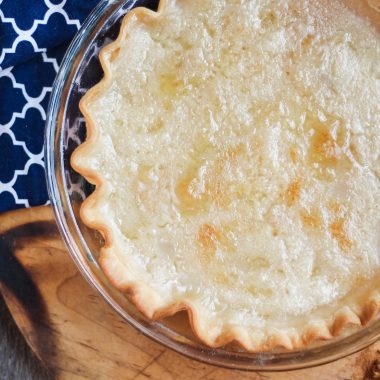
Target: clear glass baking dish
[[65, 129]]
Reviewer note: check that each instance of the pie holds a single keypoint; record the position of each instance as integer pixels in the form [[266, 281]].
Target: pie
[[235, 149]]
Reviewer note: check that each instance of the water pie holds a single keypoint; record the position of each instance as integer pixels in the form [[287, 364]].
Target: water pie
[[235, 149]]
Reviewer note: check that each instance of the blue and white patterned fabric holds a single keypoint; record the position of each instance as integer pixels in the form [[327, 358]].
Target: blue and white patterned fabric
[[34, 35]]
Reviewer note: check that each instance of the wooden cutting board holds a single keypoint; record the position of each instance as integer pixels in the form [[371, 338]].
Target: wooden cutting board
[[76, 334]]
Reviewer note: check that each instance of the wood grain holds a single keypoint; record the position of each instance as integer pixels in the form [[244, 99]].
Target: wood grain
[[76, 334]]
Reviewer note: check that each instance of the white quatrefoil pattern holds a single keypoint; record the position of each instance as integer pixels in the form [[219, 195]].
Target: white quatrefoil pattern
[[34, 35]]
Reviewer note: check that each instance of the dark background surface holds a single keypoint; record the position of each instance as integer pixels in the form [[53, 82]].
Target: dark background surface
[[17, 361]]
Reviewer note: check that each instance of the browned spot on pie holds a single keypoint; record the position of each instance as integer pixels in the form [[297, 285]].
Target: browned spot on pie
[[311, 219], [307, 41], [233, 152], [339, 233], [360, 280], [267, 18], [316, 271], [221, 278], [194, 82], [156, 126], [143, 173], [325, 149], [326, 144], [293, 192], [337, 208], [293, 155], [258, 291], [208, 238], [190, 200], [259, 263], [170, 84], [186, 45]]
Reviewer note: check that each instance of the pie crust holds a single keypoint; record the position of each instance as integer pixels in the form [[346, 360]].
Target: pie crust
[[350, 309]]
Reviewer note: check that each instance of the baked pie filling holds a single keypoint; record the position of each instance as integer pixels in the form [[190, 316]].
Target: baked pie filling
[[235, 149]]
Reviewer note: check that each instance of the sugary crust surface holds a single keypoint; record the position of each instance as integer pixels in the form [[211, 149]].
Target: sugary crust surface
[[93, 212]]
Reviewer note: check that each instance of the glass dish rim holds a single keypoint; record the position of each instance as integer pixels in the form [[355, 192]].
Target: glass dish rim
[[66, 221]]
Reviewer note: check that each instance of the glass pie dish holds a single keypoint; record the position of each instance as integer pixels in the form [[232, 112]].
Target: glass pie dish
[[65, 130]]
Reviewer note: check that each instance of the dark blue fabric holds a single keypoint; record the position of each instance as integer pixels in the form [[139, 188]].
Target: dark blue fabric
[[34, 36]]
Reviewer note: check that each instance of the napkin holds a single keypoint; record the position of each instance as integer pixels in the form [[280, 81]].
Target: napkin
[[34, 35]]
